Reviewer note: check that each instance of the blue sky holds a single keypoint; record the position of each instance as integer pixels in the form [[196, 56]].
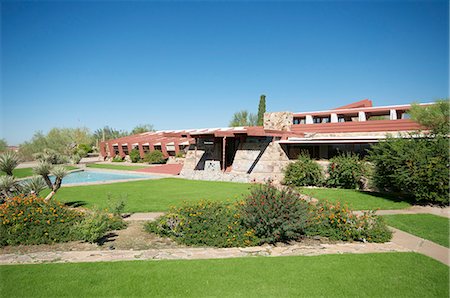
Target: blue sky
[[193, 64]]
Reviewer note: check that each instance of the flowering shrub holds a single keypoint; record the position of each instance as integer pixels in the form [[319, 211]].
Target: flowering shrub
[[31, 220], [275, 215], [205, 223], [339, 223]]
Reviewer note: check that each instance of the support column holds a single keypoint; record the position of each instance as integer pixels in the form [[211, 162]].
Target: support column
[[309, 119], [112, 152], [121, 154], [393, 115], [141, 150], [334, 118], [361, 116], [224, 144]]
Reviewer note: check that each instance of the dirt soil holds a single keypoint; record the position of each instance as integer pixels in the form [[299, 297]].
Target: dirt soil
[[134, 237]]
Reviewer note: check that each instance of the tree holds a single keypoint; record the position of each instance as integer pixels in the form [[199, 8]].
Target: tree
[[244, 118], [45, 169], [108, 133], [261, 110], [3, 145], [435, 117], [9, 160], [141, 128]]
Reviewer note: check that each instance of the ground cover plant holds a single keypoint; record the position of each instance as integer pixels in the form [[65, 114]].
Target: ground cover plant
[[348, 275], [32, 220], [115, 167], [428, 226], [355, 199], [152, 195]]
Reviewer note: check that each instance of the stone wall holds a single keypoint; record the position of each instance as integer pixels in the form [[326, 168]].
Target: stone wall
[[278, 120]]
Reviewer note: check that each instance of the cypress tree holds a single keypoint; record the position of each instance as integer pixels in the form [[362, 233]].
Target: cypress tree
[[261, 109]]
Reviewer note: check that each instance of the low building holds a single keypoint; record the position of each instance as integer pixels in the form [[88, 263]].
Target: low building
[[262, 152]]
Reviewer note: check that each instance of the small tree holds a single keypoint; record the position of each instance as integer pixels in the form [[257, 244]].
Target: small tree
[[135, 156], [45, 169], [141, 128], [261, 110], [9, 160], [244, 118], [435, 117]]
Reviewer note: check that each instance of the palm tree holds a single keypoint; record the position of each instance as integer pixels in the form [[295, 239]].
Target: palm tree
[[9, 160]]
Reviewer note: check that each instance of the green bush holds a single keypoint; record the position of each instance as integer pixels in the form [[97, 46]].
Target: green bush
[[275, 215], [204, 223], [346, 171], [154, 157], [135, 156], [303, 172], [417, 167], [31, 220], [337, 222], [117, 158], [84, 148]]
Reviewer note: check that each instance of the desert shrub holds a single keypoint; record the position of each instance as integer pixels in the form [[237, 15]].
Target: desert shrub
[[204, 223], [346, 171], [51, 156], [154, 157], [117, 158], [337, 222], [180, 154], [417, 167], [135, 156], [31, 220], [84, 149], [303, 172], [274, 215]]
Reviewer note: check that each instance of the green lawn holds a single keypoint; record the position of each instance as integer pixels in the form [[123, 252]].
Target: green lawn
[[356, 200], [350, 275], [27, 172], [432, 227], [115, 167], [152, 195]]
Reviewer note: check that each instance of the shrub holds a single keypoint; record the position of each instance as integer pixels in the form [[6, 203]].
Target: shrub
[[117, 158], [337, 222], [346, 171], [204, 223], [417, 167], [154, 157], [180, 154], [31, 220], [275, 215], [84, 149], [304, 171], [135, 156]]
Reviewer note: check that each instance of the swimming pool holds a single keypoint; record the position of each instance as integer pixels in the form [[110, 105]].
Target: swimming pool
[[93, 176]]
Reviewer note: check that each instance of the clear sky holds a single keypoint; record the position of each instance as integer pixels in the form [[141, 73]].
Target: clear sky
[[193, 64]]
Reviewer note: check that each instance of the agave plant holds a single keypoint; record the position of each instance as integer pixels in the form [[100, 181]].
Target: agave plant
[[34, 185], [43, 169], [9, 160], [8, 186]]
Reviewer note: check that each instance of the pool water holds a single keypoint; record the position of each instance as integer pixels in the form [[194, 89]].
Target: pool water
[[92, 176]]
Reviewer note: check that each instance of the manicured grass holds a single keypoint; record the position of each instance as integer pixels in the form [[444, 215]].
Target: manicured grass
[[115, 167], [432, 227], [358, 275], [152, 195], [356, 200], [28, 172]]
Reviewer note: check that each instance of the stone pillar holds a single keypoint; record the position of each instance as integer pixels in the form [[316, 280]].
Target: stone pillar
[[309, 119], [278, 120], [361, 116], [111, 150], [334, 118], [224, 144], [141, 150]]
